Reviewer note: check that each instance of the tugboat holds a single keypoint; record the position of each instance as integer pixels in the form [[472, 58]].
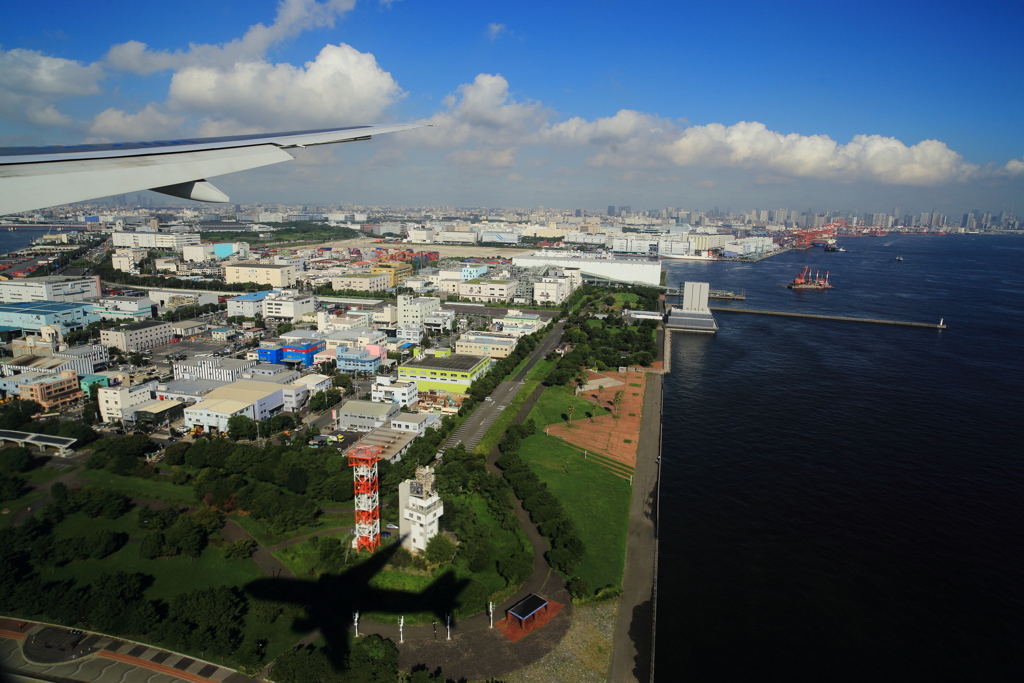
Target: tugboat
[[805, 281], [831, 246]]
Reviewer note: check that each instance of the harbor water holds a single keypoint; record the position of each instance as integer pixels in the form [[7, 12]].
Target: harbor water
[[845, 501]]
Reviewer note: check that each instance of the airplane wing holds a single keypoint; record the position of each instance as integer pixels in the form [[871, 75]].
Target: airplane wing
[[38, 177]]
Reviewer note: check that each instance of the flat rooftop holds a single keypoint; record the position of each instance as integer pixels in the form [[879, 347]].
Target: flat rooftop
[[191, 386], [457, 361], [42, 307], [369, 408], [40, 362], [391, 441], [141, 325]]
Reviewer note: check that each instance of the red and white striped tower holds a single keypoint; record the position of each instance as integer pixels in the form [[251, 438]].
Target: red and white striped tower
[[364, 460]]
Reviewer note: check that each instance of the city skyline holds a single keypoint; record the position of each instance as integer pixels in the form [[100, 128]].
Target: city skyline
[[541, 105]]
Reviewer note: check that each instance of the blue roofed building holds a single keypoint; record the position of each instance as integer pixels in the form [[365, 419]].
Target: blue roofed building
[[248, 305], [30, 316]]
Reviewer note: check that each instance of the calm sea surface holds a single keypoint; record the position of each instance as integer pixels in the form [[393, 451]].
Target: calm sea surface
[[15, 240], [844, 501]]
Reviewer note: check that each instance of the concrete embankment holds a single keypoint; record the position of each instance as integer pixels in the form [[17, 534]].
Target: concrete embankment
[[633, 656]]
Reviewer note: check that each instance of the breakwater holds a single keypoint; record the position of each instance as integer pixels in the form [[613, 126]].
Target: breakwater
[[903, 323]]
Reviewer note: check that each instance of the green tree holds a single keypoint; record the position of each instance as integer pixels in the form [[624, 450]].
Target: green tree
[[152, 545], [439, 549], [241, 549], [15, 459], [241, 427]]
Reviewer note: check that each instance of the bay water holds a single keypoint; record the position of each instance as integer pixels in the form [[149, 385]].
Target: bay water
[[845, 501]]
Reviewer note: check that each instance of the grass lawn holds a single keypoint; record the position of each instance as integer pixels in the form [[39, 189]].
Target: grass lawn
[[302, 558], [623, 298], [42, 474], [555, 401], [172, 575], [266, 536], [494, 434], [541, 369], [595, 498], [80, 524], [156, 488], [17, 504], [503, 544]]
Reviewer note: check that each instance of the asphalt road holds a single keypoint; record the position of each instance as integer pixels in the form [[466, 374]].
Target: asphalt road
[[476, 425]]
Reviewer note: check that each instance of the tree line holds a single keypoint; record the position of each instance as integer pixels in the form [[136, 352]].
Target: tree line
[[546, 511]]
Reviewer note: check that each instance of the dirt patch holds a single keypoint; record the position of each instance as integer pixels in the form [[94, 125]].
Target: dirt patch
[[616, 438], [583, 655]]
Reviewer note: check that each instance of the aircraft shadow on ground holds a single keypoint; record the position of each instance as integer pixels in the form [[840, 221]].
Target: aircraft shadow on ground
[[331, 600]]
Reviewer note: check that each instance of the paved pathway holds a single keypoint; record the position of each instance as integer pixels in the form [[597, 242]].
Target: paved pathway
[[99, 658], [633, 653]]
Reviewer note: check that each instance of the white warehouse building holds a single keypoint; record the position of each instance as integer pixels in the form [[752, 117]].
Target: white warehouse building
[[633, 271]]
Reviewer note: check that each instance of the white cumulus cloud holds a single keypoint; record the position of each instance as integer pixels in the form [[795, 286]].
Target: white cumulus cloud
[[750, 145], [485, 111], [292, 18], [32, 82], [341, 86], [150, 123]]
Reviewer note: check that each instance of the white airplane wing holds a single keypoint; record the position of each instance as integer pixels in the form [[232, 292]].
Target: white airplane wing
[[38, 177]]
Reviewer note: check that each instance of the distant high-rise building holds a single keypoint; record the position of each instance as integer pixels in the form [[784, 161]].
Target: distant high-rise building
[[611, 210], [624, 210], [579, 213]]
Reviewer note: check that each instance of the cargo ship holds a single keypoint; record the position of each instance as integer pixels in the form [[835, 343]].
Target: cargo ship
[[806, 281]]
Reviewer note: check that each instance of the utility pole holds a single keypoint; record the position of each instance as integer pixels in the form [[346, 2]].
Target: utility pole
[[490, 614], [355, 620], [401, 635], [448, 624]]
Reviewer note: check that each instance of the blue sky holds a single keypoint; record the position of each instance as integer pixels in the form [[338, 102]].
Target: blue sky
[[800, 105]]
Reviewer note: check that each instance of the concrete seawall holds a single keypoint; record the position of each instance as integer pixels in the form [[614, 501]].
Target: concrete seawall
[[633, 655]]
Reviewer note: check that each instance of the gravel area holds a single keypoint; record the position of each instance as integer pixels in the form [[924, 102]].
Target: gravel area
[[583, 655]]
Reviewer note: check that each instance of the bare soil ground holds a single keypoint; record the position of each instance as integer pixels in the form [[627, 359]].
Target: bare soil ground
[[583, 655], [606, 434]]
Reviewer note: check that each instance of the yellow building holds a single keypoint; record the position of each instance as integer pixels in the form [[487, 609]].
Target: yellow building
[[363, 282], [398, 272], [453, 373], [260, 274]]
